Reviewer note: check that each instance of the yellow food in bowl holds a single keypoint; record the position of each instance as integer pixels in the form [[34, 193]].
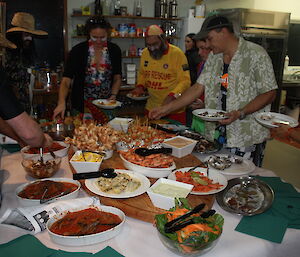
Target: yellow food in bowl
[[88, 157]]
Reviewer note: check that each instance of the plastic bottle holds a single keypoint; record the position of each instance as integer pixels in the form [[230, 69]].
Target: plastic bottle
[[286, 62]]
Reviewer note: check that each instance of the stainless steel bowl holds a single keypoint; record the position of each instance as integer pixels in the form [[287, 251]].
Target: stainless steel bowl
[[59, 131]]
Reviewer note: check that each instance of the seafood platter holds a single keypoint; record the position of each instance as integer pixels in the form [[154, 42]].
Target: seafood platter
[[210, 114], [272, 119], [230, 164], [246, 196]]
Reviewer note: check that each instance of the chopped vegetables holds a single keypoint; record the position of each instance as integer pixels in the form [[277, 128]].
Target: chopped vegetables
[[193, 237], [201, 183]]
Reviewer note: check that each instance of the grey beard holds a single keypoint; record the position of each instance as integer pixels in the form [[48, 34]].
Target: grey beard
[[156, 54]]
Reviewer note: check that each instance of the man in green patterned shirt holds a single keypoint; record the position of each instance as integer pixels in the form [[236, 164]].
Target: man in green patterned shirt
[[238, 78]]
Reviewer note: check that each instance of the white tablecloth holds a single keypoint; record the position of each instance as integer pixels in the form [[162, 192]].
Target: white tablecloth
[[139, 238]]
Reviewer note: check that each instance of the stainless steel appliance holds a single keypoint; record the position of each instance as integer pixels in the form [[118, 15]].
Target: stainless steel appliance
[[266, 28]]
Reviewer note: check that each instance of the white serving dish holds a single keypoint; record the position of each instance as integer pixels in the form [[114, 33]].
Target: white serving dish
[[88, 239], [180, 151], [108, 153], [162, 201], [32, 202], [148, 172], [120, 124], [82, 167], [60, 153]]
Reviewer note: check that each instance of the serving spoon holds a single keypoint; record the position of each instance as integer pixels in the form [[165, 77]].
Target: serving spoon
[[145, 151], [105, 173]]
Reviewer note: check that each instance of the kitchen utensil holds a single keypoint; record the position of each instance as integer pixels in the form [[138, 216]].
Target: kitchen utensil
[[145, 151], [172, 223], [106, 173], [42, 201], [41, 155]]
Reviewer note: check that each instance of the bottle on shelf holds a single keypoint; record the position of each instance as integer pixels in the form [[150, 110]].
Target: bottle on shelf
[[138, 8], [98, 7], [163, 9], [157, 8], [117, 10], [173, 9], [105, 7]]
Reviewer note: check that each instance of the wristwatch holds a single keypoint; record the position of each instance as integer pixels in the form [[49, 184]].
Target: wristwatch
[[242, 115]]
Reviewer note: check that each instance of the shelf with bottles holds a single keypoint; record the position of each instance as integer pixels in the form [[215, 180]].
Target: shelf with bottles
[[128, 17]]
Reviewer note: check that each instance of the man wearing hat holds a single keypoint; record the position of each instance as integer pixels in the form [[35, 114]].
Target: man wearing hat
[[238, 78], [14, 122], [19, 60], [164, 72]]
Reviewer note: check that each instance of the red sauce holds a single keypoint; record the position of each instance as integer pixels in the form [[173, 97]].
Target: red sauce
[[46, 189], [54, 147], [85, 222]]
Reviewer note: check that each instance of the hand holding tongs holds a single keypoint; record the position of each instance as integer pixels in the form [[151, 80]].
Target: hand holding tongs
[[181, 221]]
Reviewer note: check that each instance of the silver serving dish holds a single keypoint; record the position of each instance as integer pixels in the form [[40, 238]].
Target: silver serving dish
[[59, 131], [246, 196], [203, 145]]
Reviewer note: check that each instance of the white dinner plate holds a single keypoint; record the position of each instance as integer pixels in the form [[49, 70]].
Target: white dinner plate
[[137, 98], [200, 113], [243, 168], [268, 119], [91, 184], [216, 176], [105, 104]]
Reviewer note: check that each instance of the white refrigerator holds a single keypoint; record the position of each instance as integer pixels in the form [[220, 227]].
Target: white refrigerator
[[190, 25]]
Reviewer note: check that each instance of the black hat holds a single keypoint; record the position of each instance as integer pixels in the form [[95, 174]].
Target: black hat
[[210, 23]]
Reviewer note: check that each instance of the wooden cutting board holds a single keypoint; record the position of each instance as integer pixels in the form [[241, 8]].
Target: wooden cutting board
[[141, 207]]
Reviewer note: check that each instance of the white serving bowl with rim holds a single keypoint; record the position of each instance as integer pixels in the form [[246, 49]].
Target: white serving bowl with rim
[[59, 153], [33, 202], [147, 171], [87, 239], [85, 166]]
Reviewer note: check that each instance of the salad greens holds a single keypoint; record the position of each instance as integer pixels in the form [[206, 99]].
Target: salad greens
[[193, 237]]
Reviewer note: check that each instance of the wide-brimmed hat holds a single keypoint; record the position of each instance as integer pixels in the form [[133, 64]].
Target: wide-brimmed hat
[[210, 23], [6, 43], [25, 22]]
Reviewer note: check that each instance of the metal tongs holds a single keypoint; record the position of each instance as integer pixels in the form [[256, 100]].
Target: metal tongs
[[182, 221]]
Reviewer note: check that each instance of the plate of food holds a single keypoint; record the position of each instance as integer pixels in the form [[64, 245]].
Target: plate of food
[[203, 184], [230, 164], [138, 97], [107, 104], [152, 166], [246, 196], [203, 145], [210, 114], [31, 194], [272, 119], [126, 184]]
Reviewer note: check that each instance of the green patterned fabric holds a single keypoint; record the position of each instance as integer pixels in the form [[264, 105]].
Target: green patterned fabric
[[250, 74]]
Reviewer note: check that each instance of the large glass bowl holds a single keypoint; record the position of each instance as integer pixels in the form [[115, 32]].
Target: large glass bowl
[[179, 248], [36, 169]]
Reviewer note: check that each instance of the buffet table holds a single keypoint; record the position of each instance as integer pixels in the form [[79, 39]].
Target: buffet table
[[140, 238]]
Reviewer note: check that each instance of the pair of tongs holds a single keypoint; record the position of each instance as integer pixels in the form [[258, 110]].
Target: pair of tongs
[[182, 221]]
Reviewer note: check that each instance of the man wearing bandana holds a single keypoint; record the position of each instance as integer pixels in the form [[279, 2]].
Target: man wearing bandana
[[164, 72]]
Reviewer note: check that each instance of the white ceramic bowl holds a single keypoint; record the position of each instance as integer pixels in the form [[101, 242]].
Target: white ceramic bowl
[[60, 153], [120, 124], [88, 239], [82, 167], [163, 201], [33, 202], [180, 151], [148, 172], [108, 153]]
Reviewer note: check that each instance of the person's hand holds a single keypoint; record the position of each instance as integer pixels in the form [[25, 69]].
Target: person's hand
[[158, 112], [231, 117], [137, 91], [197, 104], [281, 131], [59, 110], [48, 141], [112, 97]]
